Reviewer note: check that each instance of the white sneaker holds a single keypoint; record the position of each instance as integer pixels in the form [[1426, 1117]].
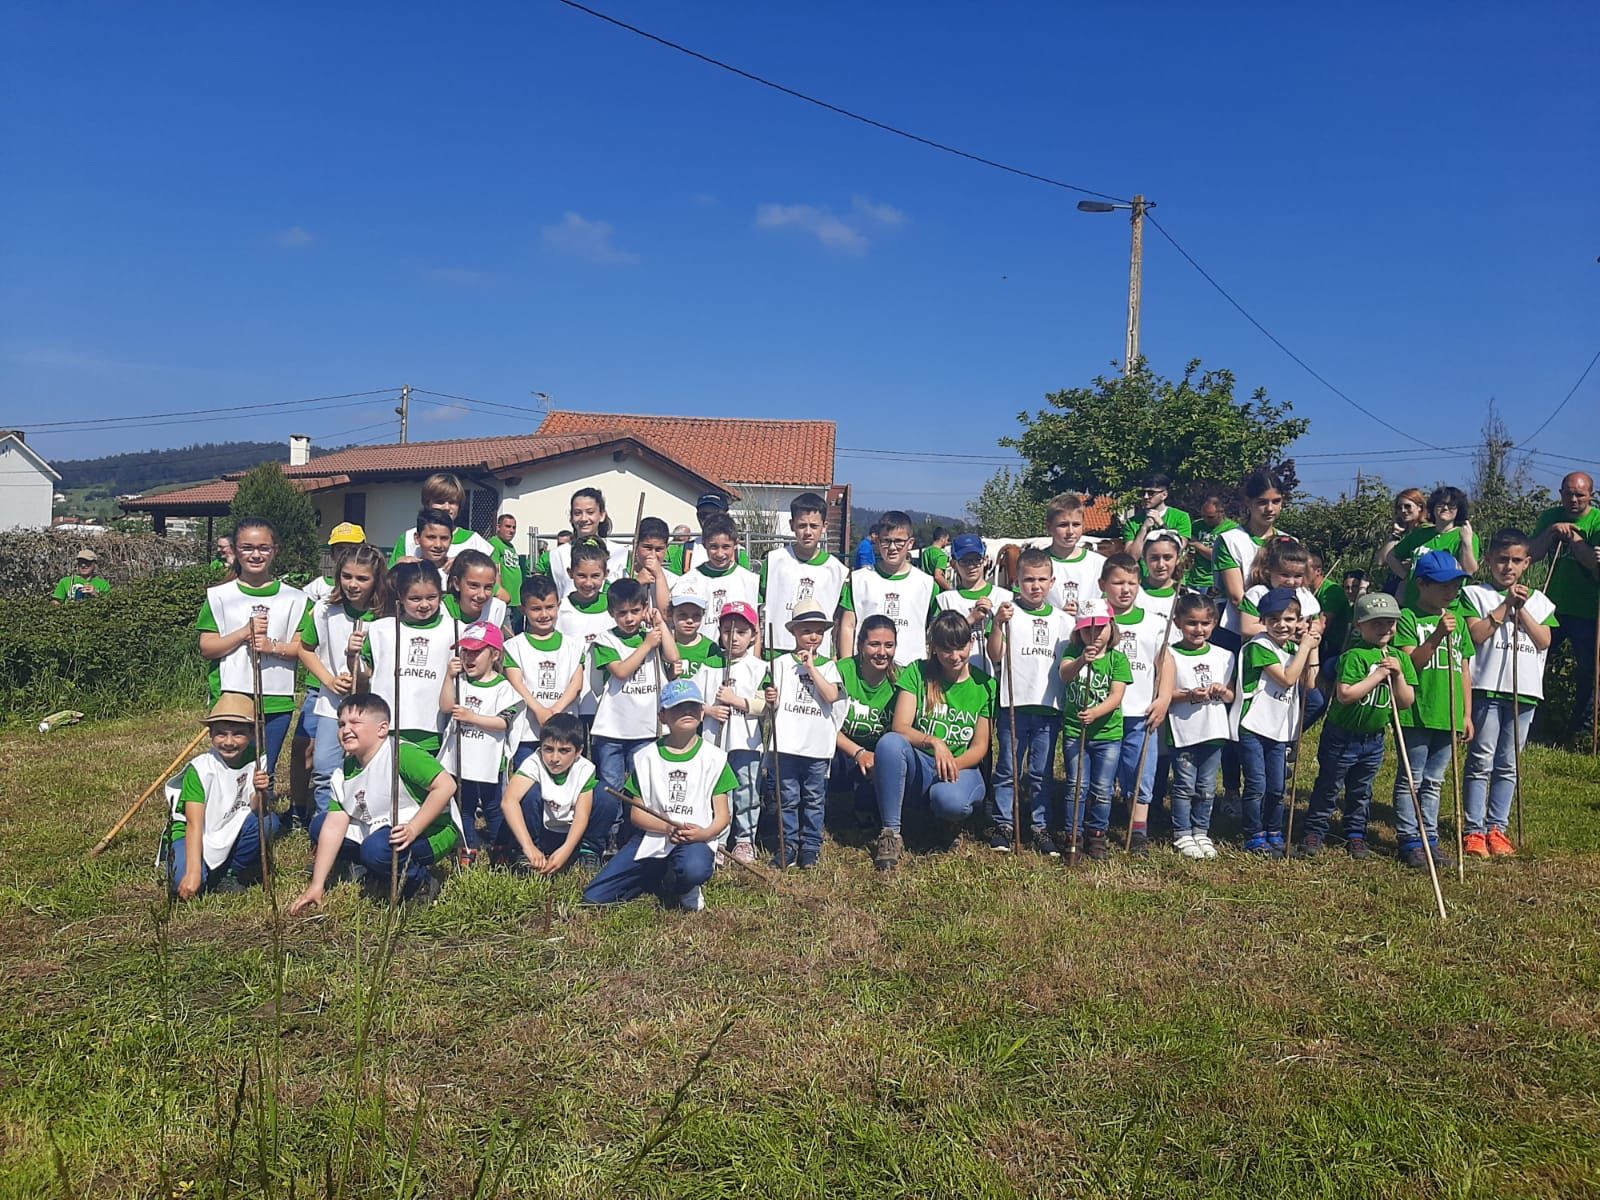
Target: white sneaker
[[1207, 847], [693, 900], [1188, 847]]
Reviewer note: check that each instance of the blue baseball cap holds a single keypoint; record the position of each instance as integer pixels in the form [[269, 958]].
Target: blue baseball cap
[[1276, 600], [1437, 566], [681, 691], [967, 544]]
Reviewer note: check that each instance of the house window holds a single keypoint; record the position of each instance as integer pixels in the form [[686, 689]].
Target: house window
[[355, 507]]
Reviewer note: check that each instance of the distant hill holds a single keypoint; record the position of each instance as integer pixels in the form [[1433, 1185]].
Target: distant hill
[[140, 470], [861, 520]]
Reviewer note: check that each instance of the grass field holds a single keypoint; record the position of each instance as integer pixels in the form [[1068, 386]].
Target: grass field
[[969, 1027]]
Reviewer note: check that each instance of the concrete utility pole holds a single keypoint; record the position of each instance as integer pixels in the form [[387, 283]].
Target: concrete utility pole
[[1135, 284], [405, 413]]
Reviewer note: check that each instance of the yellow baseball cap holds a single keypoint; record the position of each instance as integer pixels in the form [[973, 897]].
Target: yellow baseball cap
[[347, 533]]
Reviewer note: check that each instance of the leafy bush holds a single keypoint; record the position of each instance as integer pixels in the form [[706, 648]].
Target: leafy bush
[[267, 493], [33, 561], [133, 648]]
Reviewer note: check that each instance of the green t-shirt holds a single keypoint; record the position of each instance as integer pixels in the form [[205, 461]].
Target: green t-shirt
[[1225, 559], [868, 710], [193, 791], [1573, 591], [510, 568], [309, 637], [1434, 681], [1174, 519], [76, 587], [418, 770], [1092, 686], [1337, 608], [935, 558], [457, 536], [700, 652], [207, 623], [1418, 542], [955, 723], [1201, 575], [598, 605], [675, 559], [1371, 713], [726, 782]]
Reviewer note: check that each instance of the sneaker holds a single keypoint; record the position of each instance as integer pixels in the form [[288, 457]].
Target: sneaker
[[1208, 848], [692, 901], [1441, 860], [466, 858], [1186, 845], [808, 860], [428, 890], [1044, 844], [1097, 845], [945, 836], [886, 855], [1356, 848], [588, 860], [1257, 843], [1139, 843], [1414, 857], [1275, 840], [1477, 846], [1002, 839], [1310, 846], [1499, 844], [743, 852]]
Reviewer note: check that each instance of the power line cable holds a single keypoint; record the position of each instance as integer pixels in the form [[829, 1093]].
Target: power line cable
[[837, 109], [1564, 400], [107, 422]]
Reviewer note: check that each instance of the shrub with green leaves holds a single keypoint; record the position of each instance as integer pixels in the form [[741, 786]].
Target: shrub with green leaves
[[266, 492], [133, 648]]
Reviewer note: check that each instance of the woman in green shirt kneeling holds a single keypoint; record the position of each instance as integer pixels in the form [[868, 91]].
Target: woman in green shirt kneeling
[[943, 711]]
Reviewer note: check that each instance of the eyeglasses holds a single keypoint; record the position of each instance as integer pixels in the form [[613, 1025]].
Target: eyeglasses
[[1152, 491], [894, 543]]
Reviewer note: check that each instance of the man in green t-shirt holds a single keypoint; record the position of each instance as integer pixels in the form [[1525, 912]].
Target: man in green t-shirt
[[1353, 740], [503, 549], [936, 558], [85, 583], [1574, 525], [1213, 523], [1155, 513]]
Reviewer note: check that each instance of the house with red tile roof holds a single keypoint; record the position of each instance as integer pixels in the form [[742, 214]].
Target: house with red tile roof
[[670, 460]]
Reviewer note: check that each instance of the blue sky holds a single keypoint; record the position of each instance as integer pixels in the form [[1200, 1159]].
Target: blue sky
[[229, 204]]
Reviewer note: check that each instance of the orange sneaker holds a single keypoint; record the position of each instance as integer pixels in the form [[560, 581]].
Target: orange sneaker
[[1499, 844], [1476, 846]]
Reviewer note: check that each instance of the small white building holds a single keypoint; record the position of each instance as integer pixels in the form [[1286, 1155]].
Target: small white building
[[27, 484]]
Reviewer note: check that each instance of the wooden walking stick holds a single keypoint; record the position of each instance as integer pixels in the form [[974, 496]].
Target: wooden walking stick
[[1016, 750], [1594, 687], [1144, 746], [394, 772], [1455, 771], [635, 802], [1416, 799], [777, 766], [263, 801], [1516, 718], [1079, 784], [1294, 776], [104, 843]]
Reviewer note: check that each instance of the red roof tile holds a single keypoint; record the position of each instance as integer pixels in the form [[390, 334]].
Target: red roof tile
[[776, 453]]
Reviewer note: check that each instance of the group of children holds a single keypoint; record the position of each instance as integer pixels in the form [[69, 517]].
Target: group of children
[[630, 706]]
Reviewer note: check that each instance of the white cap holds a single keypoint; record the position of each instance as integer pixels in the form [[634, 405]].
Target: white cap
[[687, 590]]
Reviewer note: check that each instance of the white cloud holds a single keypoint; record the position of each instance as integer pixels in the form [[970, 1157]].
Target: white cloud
[[296, 237], [840, 234], [459, 276], [586, 239]]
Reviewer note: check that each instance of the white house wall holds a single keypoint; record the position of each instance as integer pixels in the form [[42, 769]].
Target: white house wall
[[26, 493]]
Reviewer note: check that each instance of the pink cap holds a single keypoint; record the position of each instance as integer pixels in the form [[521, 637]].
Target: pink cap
[[1092, 612], [480, 634], [738, 608]]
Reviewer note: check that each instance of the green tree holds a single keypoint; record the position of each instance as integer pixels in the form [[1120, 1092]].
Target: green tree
[[1348, 531], [267, 492], [1502, 493], [1006, 508], [1103, 439]]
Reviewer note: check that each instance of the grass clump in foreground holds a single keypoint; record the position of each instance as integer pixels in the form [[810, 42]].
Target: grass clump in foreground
[[971, 1026]]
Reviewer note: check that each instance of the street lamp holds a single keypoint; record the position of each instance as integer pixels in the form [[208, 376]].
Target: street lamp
[[1135, 267]]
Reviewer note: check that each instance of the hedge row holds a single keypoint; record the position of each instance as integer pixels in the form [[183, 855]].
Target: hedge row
[[33, 561]]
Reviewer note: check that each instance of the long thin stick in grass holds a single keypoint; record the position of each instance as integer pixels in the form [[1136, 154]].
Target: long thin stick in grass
[[263, 800], [1516, 719], [394, 772], [1016, 750], [1416, 799], [1144, 746], [1455, 771], [1294, 776], [777, 767], [1079, 784], [101, 846]]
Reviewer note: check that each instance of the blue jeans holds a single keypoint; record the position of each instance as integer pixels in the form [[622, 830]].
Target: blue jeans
[[1133, 736], [1037, 733], [375, 855], [547, 841], [1316, 705], [308, 714], [1491, 775], [327, 756], [847, 777], [901, 768], [804, 796], [746, 798], [1349, 762], [626, 876], [1094, 795], [476, 794], [1429, 753], [1194, 787], [1263, 761], [613, 761], [243, 861], [1580, 632], [277, 727]]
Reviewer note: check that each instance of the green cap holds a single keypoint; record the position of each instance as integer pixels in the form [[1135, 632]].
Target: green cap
[[1376, 606]]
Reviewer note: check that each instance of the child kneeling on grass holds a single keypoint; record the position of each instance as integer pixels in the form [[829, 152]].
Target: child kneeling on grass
[[547, 802], [682, 783], [358, 829], [214, 802], [1353, 739]]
